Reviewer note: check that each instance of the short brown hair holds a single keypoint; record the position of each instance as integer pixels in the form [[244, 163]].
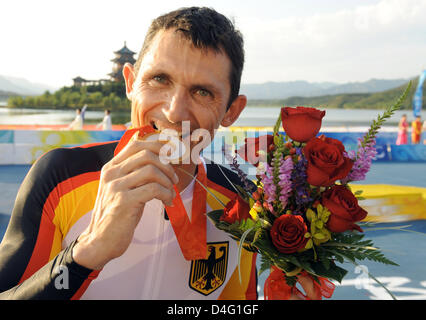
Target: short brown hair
[[206, 29]]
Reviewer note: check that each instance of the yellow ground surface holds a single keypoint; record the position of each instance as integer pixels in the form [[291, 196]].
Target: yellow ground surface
[[389, 203]]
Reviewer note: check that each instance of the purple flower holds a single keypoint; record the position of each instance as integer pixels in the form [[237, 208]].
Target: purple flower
[[277, 185], [362, 161], [268, 183], [302, 195], [249, 187], [286, 167]]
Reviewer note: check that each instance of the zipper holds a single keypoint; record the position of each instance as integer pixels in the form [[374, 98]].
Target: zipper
[[151, 275], [161, 257]]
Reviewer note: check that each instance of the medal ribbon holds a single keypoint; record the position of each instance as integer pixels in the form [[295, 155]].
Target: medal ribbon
[[190, 234], [129, 134]]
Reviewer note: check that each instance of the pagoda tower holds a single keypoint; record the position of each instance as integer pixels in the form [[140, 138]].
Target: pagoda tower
[[121, 57]]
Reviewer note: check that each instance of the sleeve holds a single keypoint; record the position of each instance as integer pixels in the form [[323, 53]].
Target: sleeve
[[59, 279], [30, 265]]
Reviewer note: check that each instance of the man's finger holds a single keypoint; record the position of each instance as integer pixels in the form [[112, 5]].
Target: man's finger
[[147, 174], [308, 285], [150, 191], [133, 147], [147, 157]]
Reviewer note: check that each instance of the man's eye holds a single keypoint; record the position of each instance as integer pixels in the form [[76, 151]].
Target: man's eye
[[203, 92], [160, 79]]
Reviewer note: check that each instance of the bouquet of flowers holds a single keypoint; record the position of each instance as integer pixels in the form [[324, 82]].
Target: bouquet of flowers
[[301, 215]]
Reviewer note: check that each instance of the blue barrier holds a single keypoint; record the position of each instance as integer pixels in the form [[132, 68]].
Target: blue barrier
[[386, 148], [408, 152], [24, 147], [385, 145], [6, 136]]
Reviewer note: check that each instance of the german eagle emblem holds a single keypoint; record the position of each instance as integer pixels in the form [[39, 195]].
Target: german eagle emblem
[[209, 274]]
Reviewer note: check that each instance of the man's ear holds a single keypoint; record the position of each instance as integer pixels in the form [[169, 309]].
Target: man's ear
[[234, 111], [129, 78]]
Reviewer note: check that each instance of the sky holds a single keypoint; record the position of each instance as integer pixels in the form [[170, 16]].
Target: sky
[[53, 41]]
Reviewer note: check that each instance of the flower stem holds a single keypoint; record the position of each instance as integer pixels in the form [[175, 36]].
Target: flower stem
[[374, 129], [205, 187]]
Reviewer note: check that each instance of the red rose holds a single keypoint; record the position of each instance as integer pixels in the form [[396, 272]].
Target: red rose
[[288, 233], [250, 151], [326, 162], [236, 210], [344, 209], [301, 124]]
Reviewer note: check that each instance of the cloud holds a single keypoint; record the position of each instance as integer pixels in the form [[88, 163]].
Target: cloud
[[379, 40], [52, 41]]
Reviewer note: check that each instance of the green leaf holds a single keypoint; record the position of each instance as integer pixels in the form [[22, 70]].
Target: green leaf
[[319, 224], [277, 140], [215, 215], [291, 281], [250, 248], [313, 228], [240, 249], [265, 264], [244, 225], [333, 272], [319, 236], [251, 202], [243, 193], [358, 192], [359, 252], [326, 263], [262, 242], [257, 235], [375, 126], [339, 258], [310, 214]]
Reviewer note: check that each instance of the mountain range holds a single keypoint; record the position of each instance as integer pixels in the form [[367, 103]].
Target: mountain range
[[282, 90], [20, 86], [262, 91]]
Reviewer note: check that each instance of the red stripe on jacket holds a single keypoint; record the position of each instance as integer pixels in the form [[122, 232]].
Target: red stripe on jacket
[[41, 252]]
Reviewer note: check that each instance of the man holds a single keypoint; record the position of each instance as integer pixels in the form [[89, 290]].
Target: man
[[77, 123], [99, 222], [106, 123], [424, 130], [416, 130]]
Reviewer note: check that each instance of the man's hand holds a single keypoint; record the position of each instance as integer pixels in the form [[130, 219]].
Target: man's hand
[[132, 178], [308, 285]]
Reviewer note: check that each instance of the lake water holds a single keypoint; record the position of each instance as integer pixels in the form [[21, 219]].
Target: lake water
[[251, 116]]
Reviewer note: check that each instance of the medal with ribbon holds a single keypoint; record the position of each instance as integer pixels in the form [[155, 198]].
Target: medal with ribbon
[[191, 234]]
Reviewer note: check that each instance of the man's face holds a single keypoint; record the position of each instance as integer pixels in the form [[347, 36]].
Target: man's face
[[177, 82]]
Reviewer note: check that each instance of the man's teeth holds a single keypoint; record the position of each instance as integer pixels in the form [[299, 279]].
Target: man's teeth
[[159, 128]]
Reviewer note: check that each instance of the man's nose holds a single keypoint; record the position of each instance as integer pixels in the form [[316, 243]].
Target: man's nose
[[178, 106]]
